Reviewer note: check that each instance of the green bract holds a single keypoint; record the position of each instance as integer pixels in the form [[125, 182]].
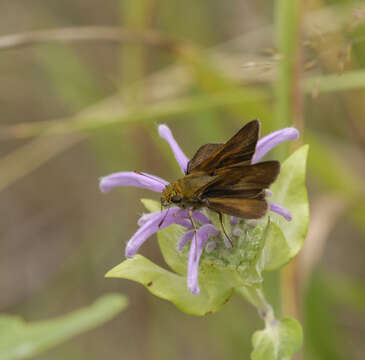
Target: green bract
[[279, 340]]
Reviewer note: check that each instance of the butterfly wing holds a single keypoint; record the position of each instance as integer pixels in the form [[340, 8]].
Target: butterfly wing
[[247, 177], [203, 153], [243, 208], [238, 150], [240, 191]]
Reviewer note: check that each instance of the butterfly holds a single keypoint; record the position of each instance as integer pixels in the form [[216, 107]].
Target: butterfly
[[222, 178]]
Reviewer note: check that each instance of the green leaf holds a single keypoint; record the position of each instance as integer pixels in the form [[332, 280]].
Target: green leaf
[[279, 340], [214, 289], [21, 340], [290, 191]]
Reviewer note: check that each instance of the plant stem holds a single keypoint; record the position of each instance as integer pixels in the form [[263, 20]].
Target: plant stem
[[288, 111], [287, 90], [255, 296]]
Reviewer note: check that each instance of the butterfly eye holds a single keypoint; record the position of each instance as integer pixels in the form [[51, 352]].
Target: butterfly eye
[[176, 199]]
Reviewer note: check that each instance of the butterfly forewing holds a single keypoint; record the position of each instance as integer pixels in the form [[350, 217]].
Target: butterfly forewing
[[204, 152], [239, 149], [260, 175]]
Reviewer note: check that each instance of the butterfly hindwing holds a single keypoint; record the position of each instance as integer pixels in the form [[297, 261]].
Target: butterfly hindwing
[[244, 208]]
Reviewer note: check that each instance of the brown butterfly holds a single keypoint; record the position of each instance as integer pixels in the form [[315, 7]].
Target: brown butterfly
[[220, 177]]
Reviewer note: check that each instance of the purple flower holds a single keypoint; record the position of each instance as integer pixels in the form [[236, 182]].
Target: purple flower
[[196, 249], [180, 157], [268, 142], [151, 223]]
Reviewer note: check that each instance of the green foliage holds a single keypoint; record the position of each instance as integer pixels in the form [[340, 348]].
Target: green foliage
[[278, 341], [321, 322], [21, 340], [215, 290], [71, 78]]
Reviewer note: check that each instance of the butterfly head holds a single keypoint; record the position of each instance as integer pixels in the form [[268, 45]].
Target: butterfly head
[[171, 196]]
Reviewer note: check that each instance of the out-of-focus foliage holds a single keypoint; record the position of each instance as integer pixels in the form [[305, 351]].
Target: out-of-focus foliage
[[21, 340]]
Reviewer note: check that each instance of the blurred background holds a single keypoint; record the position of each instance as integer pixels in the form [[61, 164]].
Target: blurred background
[[75, 109]]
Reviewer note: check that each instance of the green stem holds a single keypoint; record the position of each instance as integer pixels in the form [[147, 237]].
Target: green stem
[[255, 296]]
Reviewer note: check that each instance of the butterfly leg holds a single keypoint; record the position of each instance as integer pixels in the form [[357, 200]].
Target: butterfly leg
[[180, 216], [164, 218], [223, 229]]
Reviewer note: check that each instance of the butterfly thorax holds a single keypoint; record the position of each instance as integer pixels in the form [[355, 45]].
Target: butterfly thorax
[[185, 191]]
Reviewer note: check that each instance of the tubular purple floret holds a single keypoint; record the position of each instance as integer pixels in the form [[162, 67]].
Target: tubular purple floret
[[234, 220], [131, 178], [202, 236], [180, 157], [268, 142], [281, 210], [185, 239], [151, 226]]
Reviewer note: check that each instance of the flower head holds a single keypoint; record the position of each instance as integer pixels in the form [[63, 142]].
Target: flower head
[[151, 223]]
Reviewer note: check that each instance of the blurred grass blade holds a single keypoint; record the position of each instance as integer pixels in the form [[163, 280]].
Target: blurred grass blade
[[90, 122], [32, 155], [21, 340], [349, 80]]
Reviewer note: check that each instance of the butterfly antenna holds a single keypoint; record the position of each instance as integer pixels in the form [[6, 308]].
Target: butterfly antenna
[[149, 176], [223, 229], [164, 218]]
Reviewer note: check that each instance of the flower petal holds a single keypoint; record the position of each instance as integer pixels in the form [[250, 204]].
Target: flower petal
[[280, 210], [197, 215], [268, 142], [196, 249], [185, 239], [156, 221], [131, 178], [180, 157], [144, 218]]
